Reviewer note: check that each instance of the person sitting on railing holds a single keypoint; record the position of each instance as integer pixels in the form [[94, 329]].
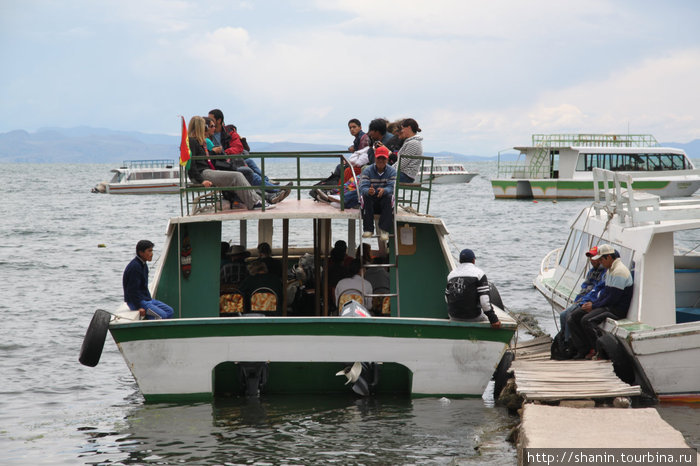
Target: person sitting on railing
[[377, 191], [412, 146], [202, 170]]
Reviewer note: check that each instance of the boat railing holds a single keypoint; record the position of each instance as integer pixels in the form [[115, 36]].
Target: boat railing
[[594, 140], [196, 198], [550, 261], [154, 163], [415, 195], [614, 196]]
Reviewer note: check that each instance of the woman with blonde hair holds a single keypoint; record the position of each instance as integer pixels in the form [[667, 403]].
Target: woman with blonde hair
[[202, 170]]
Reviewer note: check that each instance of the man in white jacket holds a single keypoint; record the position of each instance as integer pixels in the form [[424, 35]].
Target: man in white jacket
[[467, 292]]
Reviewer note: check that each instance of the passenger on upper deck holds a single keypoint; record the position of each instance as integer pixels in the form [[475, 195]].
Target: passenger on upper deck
[[204, 172], [412, 146], [378, 136], [467, 292], [377, 191], [135, 284], [613, 301], [361, 138]]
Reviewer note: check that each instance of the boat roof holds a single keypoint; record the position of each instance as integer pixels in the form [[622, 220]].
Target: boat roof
[[292, 208], [612, 149]]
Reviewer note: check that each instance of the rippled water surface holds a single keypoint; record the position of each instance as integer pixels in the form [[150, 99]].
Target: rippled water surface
[[55, 411]]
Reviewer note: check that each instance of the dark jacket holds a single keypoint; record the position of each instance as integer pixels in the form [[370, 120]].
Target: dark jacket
[[135, 283], [197, 166]]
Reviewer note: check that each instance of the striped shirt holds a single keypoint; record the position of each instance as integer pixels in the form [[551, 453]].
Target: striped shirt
[[412, 146]]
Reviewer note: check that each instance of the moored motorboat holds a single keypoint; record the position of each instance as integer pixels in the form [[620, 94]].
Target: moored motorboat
[[409, 347], [142, 177], [560, 166], [658, 241], [445, 171]]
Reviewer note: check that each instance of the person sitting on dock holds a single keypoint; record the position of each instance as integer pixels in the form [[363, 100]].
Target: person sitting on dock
[[613, 301], [589, 292], [467, 292], [135, 284], [377, 191]]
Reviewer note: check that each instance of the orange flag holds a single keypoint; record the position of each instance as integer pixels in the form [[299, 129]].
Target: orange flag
[[184, 146]]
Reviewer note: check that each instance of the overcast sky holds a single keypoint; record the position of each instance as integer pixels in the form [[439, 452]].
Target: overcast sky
[[478, 76]]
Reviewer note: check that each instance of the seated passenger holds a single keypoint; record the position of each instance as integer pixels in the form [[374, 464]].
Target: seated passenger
[[377, 191], [613, 301], [260, 280], [412, 146], [361, 138], [135, 285], [354, 284], [274, 266], [236, 271]]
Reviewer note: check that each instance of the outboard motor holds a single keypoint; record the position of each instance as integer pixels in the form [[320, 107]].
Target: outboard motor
[[253, 377], [363, 375]]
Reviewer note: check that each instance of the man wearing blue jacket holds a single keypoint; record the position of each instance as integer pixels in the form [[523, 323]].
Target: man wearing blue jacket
[[613, 301], [135, 283], [377, 191]]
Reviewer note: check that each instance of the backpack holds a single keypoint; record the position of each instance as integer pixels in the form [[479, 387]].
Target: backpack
[[560, 351]]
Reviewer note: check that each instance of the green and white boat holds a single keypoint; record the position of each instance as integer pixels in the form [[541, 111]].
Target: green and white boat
[[560, 166], [412, 349]]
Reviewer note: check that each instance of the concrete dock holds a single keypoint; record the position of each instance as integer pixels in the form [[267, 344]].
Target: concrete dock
[[575, 428]]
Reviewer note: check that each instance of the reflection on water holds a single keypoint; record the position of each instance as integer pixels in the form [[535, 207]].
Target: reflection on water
[[296, 430]]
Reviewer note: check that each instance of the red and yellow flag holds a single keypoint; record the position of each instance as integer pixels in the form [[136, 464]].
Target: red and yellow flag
[[184, 146]]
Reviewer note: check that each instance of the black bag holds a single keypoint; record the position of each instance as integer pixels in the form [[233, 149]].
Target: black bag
[[559, 350]]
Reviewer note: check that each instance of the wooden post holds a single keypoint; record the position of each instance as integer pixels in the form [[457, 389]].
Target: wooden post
[[285, 263]]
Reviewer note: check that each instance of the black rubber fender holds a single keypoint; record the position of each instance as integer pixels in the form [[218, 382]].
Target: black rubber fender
[[502, 373], [495, 296], [608, 347], [94, 340]]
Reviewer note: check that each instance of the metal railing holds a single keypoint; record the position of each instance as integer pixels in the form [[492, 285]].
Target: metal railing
[[154, 163]]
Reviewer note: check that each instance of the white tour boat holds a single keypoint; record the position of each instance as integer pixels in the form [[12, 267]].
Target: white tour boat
[[446, 172], [411, 347], [142, 177], [560, 166], [659, 241]]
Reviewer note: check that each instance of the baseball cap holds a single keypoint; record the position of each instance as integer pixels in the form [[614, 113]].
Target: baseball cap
[[603, 250], [467, 255], [381, 151], [592, 252]]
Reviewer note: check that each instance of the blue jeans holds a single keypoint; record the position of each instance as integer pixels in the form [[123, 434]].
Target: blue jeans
[[159, 307], [404, 178], [257, 176], [562, 321]]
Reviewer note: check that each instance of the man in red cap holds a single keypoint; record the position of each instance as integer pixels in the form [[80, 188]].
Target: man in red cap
[[377, 191]]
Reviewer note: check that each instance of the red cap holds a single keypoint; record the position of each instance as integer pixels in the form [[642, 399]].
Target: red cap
[[381, 151], [593, 252]]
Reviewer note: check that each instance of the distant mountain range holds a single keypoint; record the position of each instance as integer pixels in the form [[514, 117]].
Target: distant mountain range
[[98, 145]]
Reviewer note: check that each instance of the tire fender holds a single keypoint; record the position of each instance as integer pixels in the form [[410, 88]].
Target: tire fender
[[94, 339]]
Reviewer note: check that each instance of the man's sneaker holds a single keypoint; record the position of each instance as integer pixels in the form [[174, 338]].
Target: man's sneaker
[[258, 205], [366, 234], [284, 192], [322, 196], [153, 314], [383, 235]]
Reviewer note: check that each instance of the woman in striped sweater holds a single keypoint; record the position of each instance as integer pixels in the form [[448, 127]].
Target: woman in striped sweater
[[412, 146]]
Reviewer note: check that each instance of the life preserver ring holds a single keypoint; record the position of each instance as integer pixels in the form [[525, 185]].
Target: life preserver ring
[[94, 339]]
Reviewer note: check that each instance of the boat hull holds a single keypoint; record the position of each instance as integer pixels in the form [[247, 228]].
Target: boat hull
[[454, 178], [149, 188], [575, 189], [178, 359]]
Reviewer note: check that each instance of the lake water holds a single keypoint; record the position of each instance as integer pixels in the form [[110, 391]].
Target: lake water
[[55, 411]]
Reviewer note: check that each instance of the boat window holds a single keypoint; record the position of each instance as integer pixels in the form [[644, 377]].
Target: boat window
[[574, 255], [631, 162]]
